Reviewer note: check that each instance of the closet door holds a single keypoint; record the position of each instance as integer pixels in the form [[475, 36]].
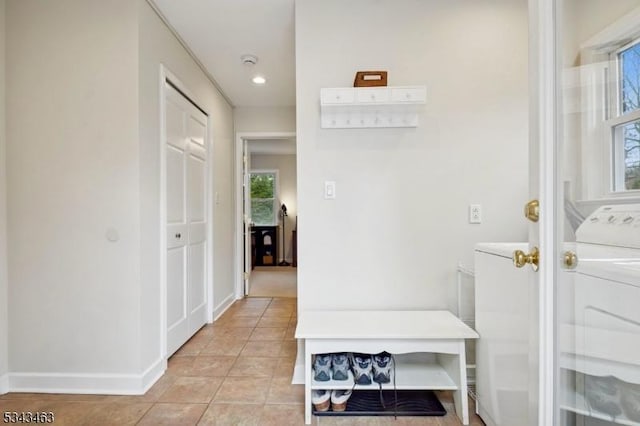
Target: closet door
[[186, 171]]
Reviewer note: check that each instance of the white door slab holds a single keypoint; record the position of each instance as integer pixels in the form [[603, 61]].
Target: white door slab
[[186, 212]]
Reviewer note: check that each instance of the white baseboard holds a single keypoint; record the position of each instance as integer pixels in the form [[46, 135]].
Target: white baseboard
[[152, 374], [4, 384], [74, 383], [223, 306]]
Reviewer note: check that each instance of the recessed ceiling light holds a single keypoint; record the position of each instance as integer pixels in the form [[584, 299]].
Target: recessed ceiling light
[[258, 79]]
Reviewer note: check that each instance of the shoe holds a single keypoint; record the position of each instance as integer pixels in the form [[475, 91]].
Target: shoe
[[339, 399], [382, 364], [361, 365], [322, 368], [340, 366], [321, 399]]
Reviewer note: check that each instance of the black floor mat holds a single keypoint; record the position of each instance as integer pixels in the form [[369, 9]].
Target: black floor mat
[[410, 403]]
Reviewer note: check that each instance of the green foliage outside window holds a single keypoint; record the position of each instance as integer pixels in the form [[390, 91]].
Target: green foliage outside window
[[263, 198]]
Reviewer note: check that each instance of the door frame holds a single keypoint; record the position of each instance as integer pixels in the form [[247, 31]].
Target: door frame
[[166, 74], [544, 185], [241, 137]]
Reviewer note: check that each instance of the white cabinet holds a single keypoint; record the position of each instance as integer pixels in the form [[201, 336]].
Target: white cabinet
[[369, 107]]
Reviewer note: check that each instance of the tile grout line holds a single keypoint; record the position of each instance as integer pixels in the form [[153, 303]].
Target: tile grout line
[[146, 412]]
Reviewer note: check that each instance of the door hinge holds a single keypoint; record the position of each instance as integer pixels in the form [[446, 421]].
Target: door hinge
[[245, 275]]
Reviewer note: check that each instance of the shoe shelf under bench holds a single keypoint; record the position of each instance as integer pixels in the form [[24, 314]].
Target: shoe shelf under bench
[[429, 349], [416, 371]]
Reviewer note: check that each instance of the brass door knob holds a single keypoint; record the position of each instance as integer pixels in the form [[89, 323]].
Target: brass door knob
[[521, 258], [570, 260], [532, 210]]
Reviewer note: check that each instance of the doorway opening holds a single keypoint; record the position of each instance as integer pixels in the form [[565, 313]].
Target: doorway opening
[[266, 219]]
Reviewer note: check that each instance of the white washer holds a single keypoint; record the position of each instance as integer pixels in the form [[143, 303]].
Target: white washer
[[502, 315], [600, 342]]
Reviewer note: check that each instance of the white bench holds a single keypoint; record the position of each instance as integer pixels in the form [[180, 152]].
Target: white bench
[[398, 332]]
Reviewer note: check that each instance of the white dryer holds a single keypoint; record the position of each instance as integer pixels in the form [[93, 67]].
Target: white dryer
[[502, 352], [600, 342]]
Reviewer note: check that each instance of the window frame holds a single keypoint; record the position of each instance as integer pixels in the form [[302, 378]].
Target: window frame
[[614, 121], [594, 182], [276, 195]]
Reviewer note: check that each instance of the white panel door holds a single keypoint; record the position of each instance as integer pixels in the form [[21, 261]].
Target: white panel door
[[186, 186], [197, 219]]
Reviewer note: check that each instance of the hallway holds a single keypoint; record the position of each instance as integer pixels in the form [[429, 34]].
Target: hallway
[[274, 281]]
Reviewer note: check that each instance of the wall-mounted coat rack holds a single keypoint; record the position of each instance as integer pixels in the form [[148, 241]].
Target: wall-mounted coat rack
[[370, 107]]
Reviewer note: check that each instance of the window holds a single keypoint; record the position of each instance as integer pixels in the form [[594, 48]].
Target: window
[[264, 194], [624, 121]]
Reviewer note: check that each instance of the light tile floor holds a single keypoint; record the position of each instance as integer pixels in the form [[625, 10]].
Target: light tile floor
[[236, 371]]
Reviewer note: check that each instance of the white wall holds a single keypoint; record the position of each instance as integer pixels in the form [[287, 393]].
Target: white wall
[[272, 146], [585, 18], [159, 46], [73, 172], [265, 119], [83, 149], [581, 20], [4, 317], [393, 236], [286, 166]]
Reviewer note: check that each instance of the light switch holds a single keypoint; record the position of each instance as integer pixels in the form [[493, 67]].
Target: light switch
[[329, 190]]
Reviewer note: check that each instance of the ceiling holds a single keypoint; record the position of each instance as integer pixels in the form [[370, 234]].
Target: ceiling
[[219, 32]]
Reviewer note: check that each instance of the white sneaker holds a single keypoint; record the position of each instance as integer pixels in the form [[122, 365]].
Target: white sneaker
[[321, 399], [361, 366], [382, 365], [339, 399]]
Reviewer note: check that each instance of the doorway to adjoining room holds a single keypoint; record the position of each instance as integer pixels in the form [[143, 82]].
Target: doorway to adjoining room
[[270, 208]]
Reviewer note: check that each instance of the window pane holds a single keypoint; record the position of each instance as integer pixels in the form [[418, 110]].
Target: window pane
[[262, 212], [630, 70], [263, 185], [631, 155]]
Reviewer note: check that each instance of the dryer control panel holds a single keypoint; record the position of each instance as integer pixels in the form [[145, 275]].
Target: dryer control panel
[[614, 225]]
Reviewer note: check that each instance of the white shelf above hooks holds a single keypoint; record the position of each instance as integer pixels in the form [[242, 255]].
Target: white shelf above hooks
[[371, 107]]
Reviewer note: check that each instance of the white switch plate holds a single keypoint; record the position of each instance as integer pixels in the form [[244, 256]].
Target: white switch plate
[[329, 190], [475, 213]]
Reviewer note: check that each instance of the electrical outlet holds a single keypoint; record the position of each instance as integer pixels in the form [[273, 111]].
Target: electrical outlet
[[475, 213]]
